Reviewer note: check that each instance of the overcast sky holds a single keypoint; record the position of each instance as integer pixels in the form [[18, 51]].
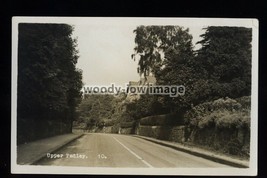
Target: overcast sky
[[105, 44], [105, 53]]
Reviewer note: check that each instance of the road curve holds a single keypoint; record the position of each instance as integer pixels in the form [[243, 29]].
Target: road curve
[[113, 150]]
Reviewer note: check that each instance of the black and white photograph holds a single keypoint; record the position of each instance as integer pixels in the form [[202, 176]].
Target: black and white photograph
[[134, 96]]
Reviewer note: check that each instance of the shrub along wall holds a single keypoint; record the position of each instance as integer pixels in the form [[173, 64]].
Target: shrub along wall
[[127, 128], [227, 140], [223, 125], [126, 131], [127, 124], [107, 129], [162, 120]]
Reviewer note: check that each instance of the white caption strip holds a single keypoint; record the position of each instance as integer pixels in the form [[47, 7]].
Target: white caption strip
[[146, 163]]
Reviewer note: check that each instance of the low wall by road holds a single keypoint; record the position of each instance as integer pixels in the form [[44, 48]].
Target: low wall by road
[[30, 129], [228, 140], [170, 133], [165, 127], [126, 131]]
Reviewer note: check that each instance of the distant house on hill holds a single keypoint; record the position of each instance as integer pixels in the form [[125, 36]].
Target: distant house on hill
[[149, 80], [143, 81], [133, 83]]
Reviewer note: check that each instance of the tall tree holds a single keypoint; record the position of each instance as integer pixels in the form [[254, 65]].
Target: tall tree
[[155, 44], [225, 59], [220, 68], [167, 53], [48, 82], [96, 108]]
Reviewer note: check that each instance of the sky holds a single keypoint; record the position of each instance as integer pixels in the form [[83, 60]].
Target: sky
[[105, 52], [105, 44]]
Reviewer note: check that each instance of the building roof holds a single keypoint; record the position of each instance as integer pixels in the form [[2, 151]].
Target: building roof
[[148, 80]]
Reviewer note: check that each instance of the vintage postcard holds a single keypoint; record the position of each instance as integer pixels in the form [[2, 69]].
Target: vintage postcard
[[134, 96]]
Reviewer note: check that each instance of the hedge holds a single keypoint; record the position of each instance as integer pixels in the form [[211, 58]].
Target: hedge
[[127, 124], [110, 122], [221, 113], [162, 120]]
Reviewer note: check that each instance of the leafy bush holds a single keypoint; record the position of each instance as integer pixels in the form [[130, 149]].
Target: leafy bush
[[127, 124], [161, 120], [223, 124], [232, 120], [234, 147], [245, 101], [90, 122], [228, 104], [110, 122], [223, 113]]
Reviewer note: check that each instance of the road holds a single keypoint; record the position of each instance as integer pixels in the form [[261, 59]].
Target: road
[[113, 150]]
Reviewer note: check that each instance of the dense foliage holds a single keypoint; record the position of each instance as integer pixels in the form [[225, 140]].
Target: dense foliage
[[95, 109], [225, 60], [162, 120], [220, 68], [100, 110], [221, 113], [48, 82], [222, 124], [215, 110], [147, 105]]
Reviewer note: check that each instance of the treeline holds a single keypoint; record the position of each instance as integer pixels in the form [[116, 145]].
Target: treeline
[[216, 106], [220, 68], [97, 111], [215, 110], [48, 82], [222, 124]]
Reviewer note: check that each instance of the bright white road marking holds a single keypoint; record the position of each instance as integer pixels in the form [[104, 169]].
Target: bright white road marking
[[149, 165]]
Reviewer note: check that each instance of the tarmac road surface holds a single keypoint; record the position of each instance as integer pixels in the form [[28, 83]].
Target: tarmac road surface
[[113, 150]]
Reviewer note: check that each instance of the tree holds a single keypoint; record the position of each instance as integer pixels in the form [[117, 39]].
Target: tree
[[225, 58], [155, 44], [220, 68], [97, 108], [48, 82], [145, 106], [167, 53]]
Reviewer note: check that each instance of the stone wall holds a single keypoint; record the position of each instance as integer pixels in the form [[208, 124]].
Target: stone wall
[[161, 127], [30, 129], [235, 141], [228, 140], [126, 131], [170, 133]]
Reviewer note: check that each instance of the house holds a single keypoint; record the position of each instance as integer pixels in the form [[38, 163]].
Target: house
[[149, 80]]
